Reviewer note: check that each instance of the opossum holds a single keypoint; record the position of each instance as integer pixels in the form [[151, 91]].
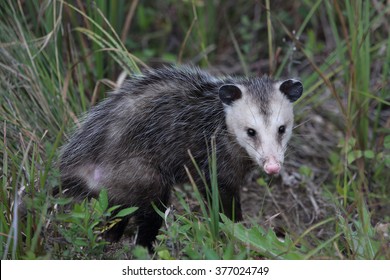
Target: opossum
[[137, 142]]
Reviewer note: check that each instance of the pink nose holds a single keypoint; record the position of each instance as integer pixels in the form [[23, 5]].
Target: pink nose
[[272, 168]]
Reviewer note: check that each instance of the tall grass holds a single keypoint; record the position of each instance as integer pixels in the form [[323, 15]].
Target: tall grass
[[353, 25], [38, 98], [57, 58], [32, 120]]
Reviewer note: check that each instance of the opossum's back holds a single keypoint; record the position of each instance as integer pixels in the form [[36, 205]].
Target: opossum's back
[[165, 122], [158, 115], [184, 79]]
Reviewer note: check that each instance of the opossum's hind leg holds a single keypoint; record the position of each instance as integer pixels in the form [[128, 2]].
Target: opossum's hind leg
[[143, 188], [148, 220]]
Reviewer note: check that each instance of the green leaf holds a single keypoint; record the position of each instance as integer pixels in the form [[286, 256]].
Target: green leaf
[[210, 254], [103, 200], [266, 243], [387, 142], [228, 254], [165, 255], [78, 215], [387, 160], [125, 212], [141, 253], [369, 154], [63, 200], [112, 209], [80, 242], [353, 155]]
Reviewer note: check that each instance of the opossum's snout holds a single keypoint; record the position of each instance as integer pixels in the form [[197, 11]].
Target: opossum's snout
[[272, 166]]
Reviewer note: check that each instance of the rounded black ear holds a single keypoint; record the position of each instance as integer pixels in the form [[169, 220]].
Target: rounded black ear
[[292, 89], [229, 93]]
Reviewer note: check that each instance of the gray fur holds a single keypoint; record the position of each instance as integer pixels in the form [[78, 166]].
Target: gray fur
[[135, 143]]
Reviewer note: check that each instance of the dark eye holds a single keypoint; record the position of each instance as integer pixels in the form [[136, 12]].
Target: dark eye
[[251, 132], [282, 129]]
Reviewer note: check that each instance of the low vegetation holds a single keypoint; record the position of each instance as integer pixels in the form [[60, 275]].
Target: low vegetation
[[59, 58]]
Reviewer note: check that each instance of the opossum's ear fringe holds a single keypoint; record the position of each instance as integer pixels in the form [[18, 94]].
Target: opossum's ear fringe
[[292, 89], [229, 93]]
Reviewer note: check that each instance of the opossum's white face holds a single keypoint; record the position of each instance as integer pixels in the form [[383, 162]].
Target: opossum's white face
[[264, 134]]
